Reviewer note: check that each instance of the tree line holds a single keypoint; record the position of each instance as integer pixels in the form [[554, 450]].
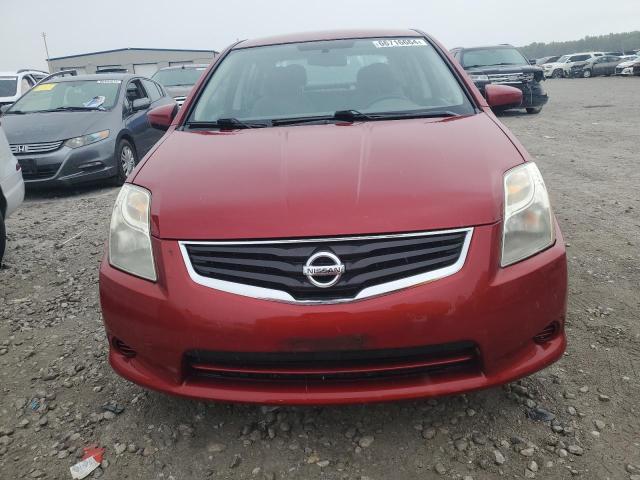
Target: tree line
[[613, 42]]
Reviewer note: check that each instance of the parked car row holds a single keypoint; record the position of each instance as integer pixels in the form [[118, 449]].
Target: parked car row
[[590, 64]]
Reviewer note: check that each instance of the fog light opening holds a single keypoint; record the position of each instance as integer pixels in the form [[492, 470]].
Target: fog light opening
[[122, 348], [548, 333], [91, 165]]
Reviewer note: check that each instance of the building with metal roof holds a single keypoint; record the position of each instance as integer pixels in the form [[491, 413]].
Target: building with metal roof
[[143, 61]]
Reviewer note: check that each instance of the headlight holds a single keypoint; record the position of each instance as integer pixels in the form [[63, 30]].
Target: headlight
[[129, 239], [528, 222], [479, 78], [86, 139]]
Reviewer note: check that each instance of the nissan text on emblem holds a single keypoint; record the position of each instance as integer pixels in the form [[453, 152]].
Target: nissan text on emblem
[[323, 264]]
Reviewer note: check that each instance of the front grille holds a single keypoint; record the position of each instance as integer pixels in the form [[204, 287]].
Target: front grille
[[27, 148], [511, 77], [32, 171], [333, 366], [368, 262]]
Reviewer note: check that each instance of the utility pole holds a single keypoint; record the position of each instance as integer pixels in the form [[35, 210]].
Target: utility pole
[[46, 49]]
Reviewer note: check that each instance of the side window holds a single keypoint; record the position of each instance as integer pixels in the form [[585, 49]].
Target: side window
[[160, 89], [135, 90], [152, 90], [25, 84]]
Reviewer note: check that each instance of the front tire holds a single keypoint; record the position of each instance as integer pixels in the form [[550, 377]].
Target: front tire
[[557, 73], [586, 74], [126, 159], [534, 110]]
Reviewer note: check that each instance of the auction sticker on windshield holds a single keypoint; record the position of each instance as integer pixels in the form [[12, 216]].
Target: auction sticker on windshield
[[43, 87], [400, 42]]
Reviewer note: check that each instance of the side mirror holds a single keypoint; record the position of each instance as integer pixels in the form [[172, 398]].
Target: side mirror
[[532, 62], [4, 108], [502, 95], [140, 104], [162, 117]]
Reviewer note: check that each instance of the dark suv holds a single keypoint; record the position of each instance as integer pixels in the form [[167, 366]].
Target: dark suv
[[505, 65]]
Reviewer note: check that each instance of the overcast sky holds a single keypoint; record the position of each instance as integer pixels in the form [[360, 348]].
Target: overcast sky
[[79, 26]]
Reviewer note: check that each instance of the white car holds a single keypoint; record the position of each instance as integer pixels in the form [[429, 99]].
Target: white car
[[630, 66], [15, 84], [562, 68], [11, 187]]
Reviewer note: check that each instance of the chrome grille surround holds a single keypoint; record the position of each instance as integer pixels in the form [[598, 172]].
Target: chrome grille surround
[[511, 77], [368, 292], [31, 148]]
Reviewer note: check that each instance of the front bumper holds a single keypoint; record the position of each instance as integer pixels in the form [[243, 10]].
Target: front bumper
[[12, 188], [497, 310], [68, 166]]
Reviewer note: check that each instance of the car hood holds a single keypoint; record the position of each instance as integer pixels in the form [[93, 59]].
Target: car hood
[[628, 63], [554, 65], [52, 126], [326, 180], [179, 90], [490, 70]]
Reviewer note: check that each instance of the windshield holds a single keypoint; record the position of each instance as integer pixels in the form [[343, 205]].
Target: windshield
[[8, 86], [76, 94], [485, 57], [316, 79], [563, 59], [178, 76]]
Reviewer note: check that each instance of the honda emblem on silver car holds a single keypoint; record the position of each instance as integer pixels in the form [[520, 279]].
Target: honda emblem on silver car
[[21, 148], [318, 266]]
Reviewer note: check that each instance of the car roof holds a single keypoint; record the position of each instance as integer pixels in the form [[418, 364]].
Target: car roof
[[502, 45], [326, 35], [15, 73], [182, 67], [95, 76]]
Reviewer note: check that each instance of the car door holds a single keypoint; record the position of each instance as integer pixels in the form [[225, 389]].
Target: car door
[[135, 119], [158, 97], [611, 65]]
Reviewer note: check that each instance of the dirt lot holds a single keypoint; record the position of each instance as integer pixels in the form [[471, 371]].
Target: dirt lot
[[55, 380]]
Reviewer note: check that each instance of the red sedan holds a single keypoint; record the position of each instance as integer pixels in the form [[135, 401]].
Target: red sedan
[[334, 217]]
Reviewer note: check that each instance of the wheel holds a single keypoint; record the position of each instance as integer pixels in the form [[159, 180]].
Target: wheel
[[534, 110], [127, 159], [586, 74], [3, 237], [557, 73]]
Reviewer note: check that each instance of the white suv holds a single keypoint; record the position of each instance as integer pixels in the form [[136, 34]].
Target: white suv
[[11, 187], [562, 68], [15, 84]]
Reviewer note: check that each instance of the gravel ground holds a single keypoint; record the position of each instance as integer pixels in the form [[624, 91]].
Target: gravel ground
[[58, 393]]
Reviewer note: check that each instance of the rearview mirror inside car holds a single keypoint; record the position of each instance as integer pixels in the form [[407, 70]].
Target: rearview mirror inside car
[[140, 104], [161, 117], [502, 95]]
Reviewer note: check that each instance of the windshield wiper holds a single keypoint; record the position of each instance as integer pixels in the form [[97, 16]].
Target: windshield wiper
[[71, 109], [16, 112], [355, 115], [226, 124], [415, 114], [340, 115], [351, 115]]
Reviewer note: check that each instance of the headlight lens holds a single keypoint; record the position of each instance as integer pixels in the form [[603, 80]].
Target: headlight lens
[[479, 78], [129, 238], [528, 221], [87, 139]]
